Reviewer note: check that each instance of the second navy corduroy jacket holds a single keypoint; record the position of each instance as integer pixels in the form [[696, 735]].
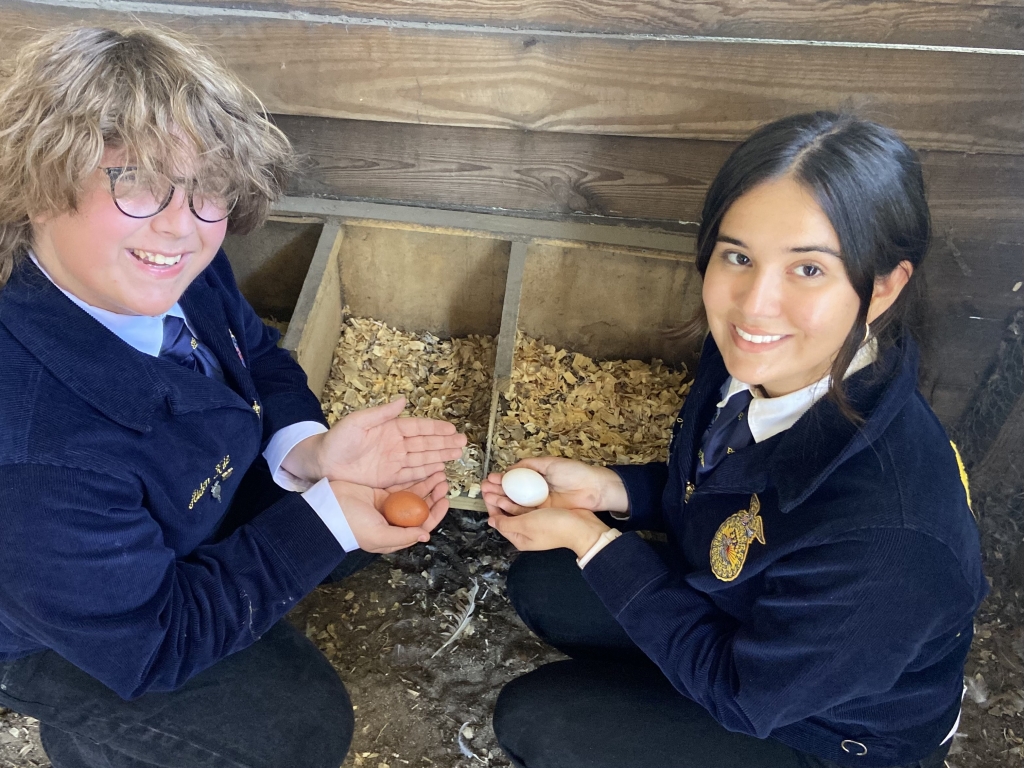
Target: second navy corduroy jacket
[[116, 469], [818, 587]]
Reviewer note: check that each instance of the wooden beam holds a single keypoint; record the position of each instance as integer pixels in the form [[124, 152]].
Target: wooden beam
[[718, 89], [972, 196], [921, 22], [650, 242]]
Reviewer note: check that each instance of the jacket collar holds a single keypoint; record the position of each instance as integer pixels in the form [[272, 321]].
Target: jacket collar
[[796, 462], [119, 381]]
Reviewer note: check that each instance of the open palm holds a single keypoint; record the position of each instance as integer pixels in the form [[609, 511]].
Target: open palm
[[362, 507], [376, 448]]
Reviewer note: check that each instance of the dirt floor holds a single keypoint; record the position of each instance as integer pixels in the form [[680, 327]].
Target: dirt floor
[[424, 701]]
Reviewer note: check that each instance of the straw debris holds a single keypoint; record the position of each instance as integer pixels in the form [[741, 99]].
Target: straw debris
[[561, 403]]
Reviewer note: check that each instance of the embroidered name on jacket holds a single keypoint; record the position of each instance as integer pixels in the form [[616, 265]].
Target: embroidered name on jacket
[[732, 540], [222, 471]]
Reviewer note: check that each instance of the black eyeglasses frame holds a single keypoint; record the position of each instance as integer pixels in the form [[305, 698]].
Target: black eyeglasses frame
[[115, 172]]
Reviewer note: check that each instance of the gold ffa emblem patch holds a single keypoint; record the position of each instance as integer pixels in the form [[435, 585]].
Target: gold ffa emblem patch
[[732, 540]]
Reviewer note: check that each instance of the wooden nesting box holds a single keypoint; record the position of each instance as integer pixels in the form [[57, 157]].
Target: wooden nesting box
[[601, 290]]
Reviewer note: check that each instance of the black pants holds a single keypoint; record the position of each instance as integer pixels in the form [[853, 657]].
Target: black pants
[[609, 706], [276, 704]]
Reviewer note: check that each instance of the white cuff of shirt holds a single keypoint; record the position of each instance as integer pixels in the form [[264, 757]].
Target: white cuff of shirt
[[323, 501], [280, 446]]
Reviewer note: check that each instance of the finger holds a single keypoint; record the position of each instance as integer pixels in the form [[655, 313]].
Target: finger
[[368, 418], [539, 464], [507, 528], [392, 537], [431, 457], [409, 476], [490, 489], [413, 426], [420, 443], [428, 485], [437, 512], [503, 504]]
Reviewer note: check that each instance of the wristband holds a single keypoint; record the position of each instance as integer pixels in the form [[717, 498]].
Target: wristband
[[603, 541]]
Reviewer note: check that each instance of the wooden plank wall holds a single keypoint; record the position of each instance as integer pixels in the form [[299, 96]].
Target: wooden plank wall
[[621, 111]]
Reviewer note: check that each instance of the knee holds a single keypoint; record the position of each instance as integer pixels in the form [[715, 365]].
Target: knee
[[510, 723], [532, 584], [316, 734], [533, 720]]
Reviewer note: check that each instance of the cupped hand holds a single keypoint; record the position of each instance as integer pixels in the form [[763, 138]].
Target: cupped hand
[[362, 507], [375, 447], [550, 528], [572, 485]]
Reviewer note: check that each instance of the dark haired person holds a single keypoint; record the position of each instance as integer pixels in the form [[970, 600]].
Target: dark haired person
[[813, 604]]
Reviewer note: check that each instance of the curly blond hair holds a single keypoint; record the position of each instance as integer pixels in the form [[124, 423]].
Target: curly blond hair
[[159, 98]]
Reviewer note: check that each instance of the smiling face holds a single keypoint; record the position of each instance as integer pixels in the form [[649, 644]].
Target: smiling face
[[124, 265], [778, 300]]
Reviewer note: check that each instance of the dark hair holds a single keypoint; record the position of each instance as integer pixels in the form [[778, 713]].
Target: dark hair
[[868, 183]]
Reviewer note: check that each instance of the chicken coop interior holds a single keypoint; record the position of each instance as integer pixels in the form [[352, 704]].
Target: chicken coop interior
[[496, 203]]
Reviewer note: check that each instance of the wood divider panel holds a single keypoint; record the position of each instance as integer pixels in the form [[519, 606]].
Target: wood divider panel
[[717, 90], [315, 327]]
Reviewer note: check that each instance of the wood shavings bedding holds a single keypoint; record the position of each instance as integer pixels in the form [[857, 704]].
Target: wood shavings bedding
[[561, 403]]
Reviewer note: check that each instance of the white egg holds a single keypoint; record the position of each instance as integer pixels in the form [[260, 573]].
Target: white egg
[[524, 486]]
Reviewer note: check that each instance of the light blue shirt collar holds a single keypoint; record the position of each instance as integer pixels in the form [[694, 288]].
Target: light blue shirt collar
[[142, 332]]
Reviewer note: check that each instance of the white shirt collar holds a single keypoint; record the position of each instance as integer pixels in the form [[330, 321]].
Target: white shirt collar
[[768, 416], [142, 332]]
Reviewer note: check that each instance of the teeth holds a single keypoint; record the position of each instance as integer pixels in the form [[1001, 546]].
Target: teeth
[[756, 339], [156, 258]]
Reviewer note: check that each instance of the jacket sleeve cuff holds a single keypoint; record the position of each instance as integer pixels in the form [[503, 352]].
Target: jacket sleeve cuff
[[301, 538], [280, 446], [622, 570], [645, 484], [323, 501]]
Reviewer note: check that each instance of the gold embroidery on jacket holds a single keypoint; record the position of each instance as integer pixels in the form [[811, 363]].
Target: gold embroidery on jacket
[[732, 540], [222, 471]]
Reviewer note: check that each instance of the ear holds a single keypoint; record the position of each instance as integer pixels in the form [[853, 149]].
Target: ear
[[888, 288]]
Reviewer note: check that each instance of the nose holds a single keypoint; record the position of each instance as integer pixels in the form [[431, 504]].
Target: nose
[[176, 220], [761, 294]]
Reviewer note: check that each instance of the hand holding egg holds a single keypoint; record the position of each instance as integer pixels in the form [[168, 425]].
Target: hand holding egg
[[558, 482], [525, 487]]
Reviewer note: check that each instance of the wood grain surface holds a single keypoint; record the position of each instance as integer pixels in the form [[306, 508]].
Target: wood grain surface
[[580, 84], [917, 22], [564, 175]]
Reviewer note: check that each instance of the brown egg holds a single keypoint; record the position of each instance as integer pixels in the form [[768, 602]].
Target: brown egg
[[405, 509]]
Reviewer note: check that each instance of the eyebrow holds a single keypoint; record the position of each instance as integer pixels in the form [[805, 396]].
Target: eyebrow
[[799, 249]]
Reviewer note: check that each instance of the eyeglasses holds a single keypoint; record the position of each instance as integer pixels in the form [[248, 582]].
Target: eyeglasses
[[140, 200]]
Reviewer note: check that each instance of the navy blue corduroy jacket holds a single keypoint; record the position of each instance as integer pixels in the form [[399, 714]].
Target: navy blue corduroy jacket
[[845, 633], [116, 469]]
